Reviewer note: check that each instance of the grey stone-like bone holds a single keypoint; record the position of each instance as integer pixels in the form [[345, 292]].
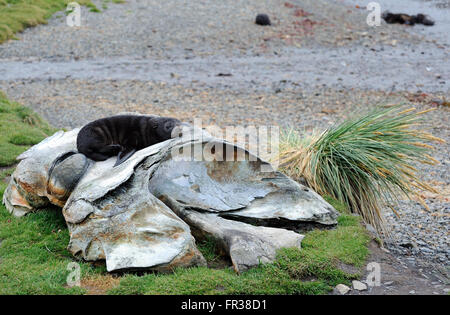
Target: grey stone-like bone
[[28, 189], [246, 245], [238, 189], [115, 214], [130, 229]]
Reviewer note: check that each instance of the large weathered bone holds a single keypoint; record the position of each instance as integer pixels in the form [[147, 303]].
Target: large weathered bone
[[128, 227], [112, 215], [247, 245], [115, 213], [238, 189], [31, 187]]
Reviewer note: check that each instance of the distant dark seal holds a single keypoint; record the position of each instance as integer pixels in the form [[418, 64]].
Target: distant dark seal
[[262, 19], [123, 135], [402, 18]]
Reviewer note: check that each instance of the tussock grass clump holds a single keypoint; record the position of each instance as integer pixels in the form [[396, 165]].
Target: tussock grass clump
[[365, 162]]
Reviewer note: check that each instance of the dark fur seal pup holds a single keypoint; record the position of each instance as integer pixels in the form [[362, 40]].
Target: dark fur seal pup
[[402, 18], [123, 135]]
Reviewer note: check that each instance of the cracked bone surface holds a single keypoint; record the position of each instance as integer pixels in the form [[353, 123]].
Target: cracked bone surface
[[143, 213]]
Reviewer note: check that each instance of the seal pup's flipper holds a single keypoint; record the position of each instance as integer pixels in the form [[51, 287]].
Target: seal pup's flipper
[[123, 156]]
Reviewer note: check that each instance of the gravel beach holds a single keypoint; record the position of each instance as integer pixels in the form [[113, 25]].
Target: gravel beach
[[318, 63]]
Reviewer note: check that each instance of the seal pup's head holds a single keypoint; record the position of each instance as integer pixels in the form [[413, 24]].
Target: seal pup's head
[[166, 128]]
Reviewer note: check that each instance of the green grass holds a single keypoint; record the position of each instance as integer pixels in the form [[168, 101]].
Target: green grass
[[34, 258], [16, 15], [208, 249], [105, 3], [19, 128], [33, 254]]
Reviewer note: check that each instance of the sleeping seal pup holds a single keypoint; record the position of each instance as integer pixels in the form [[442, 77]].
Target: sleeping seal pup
[[122, 135]]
